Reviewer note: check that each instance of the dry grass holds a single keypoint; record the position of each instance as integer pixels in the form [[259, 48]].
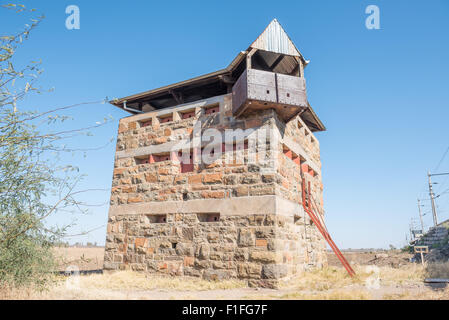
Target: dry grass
[[83, 258], [426, 294], [23, 293], [332, 295], [128, 280], [438, 270], [339, 294], [334, 278], [7, 293], [118, 285], [332, 283]]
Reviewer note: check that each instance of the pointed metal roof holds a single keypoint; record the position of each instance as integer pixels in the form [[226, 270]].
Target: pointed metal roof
[[272, 39], [275, 39]]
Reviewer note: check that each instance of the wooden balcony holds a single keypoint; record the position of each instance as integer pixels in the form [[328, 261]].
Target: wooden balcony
[[259, 90]]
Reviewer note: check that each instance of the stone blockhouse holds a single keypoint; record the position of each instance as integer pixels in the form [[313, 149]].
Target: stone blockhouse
[[241, 214]]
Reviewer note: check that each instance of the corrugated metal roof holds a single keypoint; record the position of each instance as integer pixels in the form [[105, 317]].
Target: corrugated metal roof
[[272, 39], [275, 39], [226, 70]]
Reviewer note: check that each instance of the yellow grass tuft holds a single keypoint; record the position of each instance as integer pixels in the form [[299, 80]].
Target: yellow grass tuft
[[335, 277], [332, 295], [339, 294], [119, 285], [426, 294], [129, 280]]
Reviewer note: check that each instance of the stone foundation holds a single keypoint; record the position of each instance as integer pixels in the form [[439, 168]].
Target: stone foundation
[[260, 248]]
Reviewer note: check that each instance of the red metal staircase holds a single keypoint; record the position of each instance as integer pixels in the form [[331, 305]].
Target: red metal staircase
[[313, 213]]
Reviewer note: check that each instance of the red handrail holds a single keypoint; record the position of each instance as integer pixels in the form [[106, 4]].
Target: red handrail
[[323, 230]]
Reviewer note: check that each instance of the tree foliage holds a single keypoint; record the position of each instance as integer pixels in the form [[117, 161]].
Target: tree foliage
[[33, 185]]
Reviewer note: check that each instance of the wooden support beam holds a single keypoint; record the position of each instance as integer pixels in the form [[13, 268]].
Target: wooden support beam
[[227, 79], [299, 67], [248, 58], [276, 62], [296, 71], [177, 96]]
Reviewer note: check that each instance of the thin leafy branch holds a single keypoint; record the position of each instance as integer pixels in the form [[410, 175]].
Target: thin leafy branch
[[34, 183]]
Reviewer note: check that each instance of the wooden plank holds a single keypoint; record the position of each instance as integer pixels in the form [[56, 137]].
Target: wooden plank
[[292, 97], [239, 93], [290, 82], [260, 77], [257, 90], [261, 92]]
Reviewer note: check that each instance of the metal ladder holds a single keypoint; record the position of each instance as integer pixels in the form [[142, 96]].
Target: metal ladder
[[316, 218]]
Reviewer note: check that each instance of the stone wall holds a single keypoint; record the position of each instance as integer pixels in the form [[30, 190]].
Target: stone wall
[[135, 182], [298, 160], [168, 220], [259, 248]]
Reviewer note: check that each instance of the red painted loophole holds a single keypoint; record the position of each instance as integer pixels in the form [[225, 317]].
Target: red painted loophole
[[167, 119], [212, 110], [188, 115], [145, 123], [155, 158]]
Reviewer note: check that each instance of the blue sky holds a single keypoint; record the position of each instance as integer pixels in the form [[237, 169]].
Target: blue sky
[[382, 94]]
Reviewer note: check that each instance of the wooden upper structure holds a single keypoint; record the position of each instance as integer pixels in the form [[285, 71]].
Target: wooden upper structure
[[269, 74]]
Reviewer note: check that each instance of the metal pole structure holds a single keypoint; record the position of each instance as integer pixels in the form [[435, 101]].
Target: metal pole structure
[[410, 229], [432, 200], [432, 195], [420, 216]]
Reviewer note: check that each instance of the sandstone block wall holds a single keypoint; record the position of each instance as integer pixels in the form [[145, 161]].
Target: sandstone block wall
[[206, 221]]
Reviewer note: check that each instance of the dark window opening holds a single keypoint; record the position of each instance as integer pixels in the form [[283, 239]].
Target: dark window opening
[[142, 160], [158, 158], [188, 114], [157, 218], [212, 110], [145, 123], [275, 62], [208, 217], [166, 119]]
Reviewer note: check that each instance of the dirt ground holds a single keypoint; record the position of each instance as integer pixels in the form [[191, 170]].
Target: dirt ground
[[379, 275]]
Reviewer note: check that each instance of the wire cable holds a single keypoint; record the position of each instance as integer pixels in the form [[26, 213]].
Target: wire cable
[[442, 159]]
